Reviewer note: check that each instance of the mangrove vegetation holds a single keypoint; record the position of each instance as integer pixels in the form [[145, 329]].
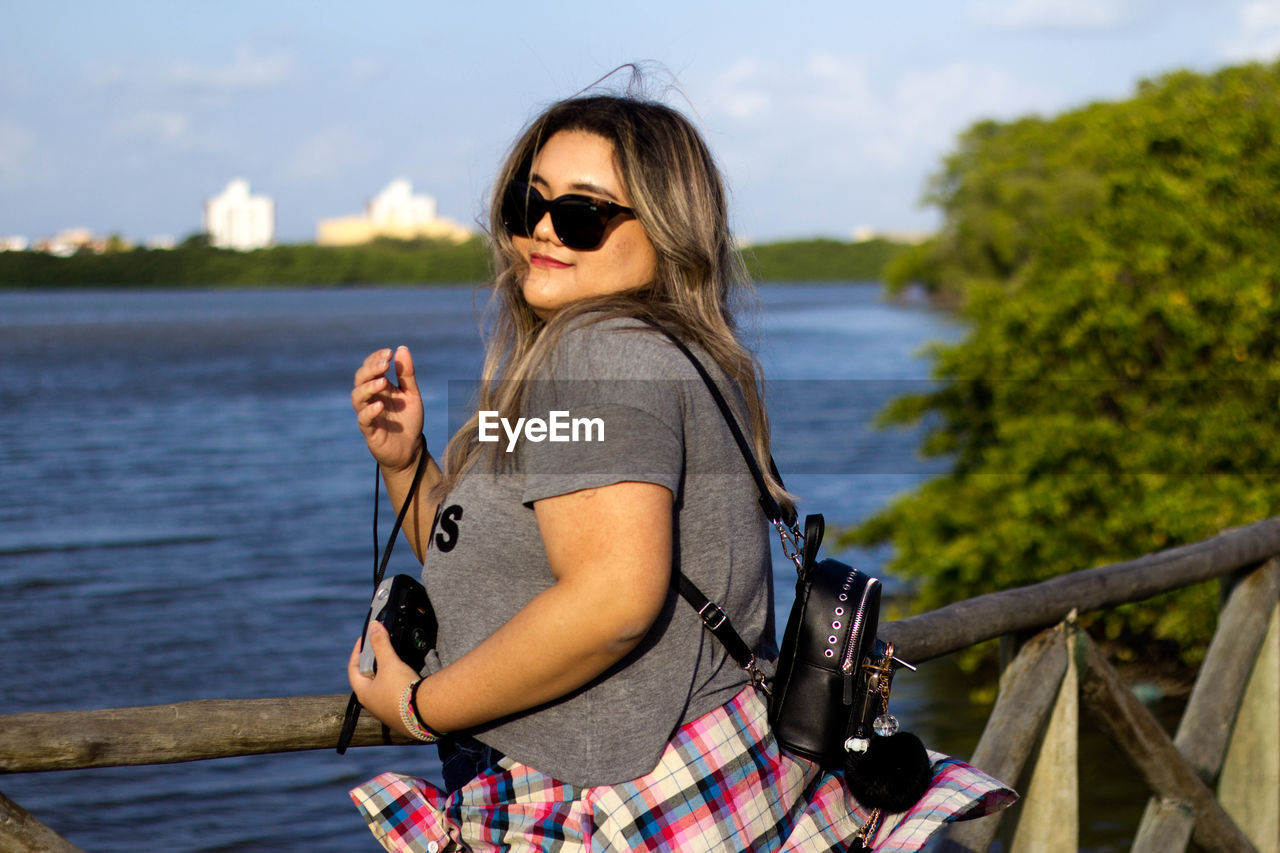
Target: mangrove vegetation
[[194, 263], [1118, 391]]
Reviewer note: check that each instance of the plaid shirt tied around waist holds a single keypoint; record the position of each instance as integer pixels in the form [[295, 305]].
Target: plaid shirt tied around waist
[[722, 785]]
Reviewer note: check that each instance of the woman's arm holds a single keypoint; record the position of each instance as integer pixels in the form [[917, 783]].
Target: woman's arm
[[418, 521], [610, 553], [390, 418]]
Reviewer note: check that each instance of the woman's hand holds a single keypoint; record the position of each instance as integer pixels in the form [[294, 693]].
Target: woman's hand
[[389, 415], [380, 693]]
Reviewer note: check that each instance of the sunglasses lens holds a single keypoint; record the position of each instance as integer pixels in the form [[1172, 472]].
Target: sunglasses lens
[[579, 222], [522, 207]]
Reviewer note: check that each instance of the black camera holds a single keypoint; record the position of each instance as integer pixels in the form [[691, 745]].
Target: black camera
[[401, 605]]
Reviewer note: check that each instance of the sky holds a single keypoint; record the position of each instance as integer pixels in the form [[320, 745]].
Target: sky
[[124, 116]]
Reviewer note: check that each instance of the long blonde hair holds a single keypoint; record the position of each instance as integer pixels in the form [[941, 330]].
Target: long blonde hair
[[678, 196]]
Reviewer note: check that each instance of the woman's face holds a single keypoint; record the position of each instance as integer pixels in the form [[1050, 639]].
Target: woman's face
[[582, 163]]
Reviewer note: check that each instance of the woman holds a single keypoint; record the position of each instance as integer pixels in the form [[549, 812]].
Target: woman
[[597, 711]]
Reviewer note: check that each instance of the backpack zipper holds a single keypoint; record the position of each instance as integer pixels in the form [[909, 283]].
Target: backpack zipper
[[855, 628]]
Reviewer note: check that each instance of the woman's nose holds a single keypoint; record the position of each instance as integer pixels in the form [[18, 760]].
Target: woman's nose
[[545, 229]]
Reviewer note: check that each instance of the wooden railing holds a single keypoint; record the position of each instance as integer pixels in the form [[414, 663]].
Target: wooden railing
[[1229, 736]]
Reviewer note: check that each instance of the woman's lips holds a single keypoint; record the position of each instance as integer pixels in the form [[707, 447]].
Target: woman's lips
[[547, 262]]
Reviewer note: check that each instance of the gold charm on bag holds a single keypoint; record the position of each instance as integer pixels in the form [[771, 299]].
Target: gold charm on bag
[[885, 768], [879, 681], [862, 839]]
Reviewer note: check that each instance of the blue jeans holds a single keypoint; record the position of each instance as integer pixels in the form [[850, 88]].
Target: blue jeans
[[464, 758]]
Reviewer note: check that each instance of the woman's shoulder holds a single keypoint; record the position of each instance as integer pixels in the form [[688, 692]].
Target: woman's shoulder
[[617, 348]]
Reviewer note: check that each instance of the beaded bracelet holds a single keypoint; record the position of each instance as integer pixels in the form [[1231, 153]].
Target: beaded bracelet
[[409, 715]]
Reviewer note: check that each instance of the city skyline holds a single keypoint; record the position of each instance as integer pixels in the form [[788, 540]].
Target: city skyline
[[392, 211], [827, 119]]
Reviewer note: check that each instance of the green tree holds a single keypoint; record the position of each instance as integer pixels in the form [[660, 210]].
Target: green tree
[[1119, 390], [195, 263], [820, 260]]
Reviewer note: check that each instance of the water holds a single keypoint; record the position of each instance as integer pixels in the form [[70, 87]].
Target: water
[[184, 514]]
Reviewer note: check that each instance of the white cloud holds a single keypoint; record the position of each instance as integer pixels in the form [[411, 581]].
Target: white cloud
[[147, 133], [1257, 33], [328, 154], [247, 70], [839, 87], [106, 74], [364, 70], [740, 94], [838, 141], [751, 90], [957, 94], [1071, 15], [858, 122], [17, 152], [165, 126]]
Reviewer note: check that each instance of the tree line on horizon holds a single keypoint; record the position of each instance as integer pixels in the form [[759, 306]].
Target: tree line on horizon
[[194, 263], [1118, 391]]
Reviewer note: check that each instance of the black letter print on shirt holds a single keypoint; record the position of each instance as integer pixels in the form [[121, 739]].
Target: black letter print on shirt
[[447, 536]]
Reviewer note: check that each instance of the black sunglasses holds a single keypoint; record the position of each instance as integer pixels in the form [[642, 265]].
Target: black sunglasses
[[579, 220]]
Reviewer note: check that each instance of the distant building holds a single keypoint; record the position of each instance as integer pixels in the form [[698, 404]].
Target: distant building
[[68, 241], [863, 233], [234, 219], [397, 206], [395, 212]]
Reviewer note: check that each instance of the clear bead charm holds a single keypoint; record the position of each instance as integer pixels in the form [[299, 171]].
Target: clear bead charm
[[885, 725]]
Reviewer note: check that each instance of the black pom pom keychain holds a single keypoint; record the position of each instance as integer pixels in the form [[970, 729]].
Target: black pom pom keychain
[[892, 774], [885, 769]]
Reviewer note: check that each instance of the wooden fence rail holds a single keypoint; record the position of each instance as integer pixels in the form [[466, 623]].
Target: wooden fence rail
[[1180, 771], [1031, 608]]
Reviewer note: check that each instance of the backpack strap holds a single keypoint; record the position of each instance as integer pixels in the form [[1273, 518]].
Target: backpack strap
[[712, 615]]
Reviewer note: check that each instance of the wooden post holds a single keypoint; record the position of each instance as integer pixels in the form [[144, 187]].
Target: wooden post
[[1150, 750], [1028, 690], [1206, 723], [22, 833], [1250, 784], [1050, 819]]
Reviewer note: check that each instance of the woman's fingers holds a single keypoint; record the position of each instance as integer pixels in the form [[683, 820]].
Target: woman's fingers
[[367, 392], [405, 375], [375, 364], [380, 693], [389, 414], [354, 675], [368, 413], [370, 376], [370, 397]]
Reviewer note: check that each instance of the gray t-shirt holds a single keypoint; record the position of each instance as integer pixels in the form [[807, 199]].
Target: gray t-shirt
[[485, 558]]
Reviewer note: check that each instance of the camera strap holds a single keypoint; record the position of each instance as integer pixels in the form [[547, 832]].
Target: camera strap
[[352, 714]]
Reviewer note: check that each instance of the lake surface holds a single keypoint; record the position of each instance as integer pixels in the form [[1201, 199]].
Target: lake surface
[[185, 511]]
